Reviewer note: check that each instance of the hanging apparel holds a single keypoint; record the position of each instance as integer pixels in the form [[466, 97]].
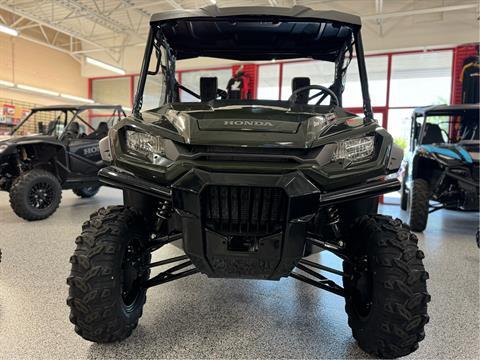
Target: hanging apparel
[[470, 77]]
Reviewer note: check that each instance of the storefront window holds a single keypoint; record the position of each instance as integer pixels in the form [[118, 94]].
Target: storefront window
[[268, 81], [399, 126], [421, 79], [319, 72], [377, 71], [114, 91], [152, 94], [191, 80]]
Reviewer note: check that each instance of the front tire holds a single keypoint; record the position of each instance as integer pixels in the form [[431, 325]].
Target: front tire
[[35, 194], [109, 265], [87, 191], [386, 293], [419, 205]]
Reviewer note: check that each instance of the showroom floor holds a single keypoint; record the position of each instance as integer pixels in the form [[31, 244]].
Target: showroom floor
[[199, 317]]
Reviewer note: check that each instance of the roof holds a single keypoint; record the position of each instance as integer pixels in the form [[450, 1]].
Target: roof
[[446, 109], [298, 12], [75, 107], [257, 33]]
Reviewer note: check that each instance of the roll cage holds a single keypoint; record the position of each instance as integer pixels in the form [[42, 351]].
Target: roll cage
[[74, 111], [418, 131], [253, 34]]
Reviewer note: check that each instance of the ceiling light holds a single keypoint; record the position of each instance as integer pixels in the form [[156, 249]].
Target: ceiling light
[[6, 83], [214, 2], [38, 90], [8, 30], [105, 66], [77, 98]]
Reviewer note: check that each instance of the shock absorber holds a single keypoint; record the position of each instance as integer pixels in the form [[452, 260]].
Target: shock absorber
[[163, 213], [333, 220]]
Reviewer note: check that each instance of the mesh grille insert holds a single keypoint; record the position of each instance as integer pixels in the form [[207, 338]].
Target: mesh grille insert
[[232, 210]]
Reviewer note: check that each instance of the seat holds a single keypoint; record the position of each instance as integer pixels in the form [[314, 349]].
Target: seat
[[51, 127], [102, 130], [73, 131], [433, 135], [298, 83], [208, 88]]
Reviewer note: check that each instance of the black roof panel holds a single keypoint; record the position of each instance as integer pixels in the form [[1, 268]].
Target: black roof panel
[[446, 109], [257, 33], [298, 12]]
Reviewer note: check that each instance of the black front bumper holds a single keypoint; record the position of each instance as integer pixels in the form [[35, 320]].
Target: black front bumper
[[244, 225]]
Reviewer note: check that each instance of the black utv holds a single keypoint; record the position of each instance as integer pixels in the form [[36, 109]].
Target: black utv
[[442, 168], [54, 148], [248, 186]]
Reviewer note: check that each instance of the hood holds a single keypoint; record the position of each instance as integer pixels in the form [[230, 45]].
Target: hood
[[466, 151], [252, 125], [28, 139]]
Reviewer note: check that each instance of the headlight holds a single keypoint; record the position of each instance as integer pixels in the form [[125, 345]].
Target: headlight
[[3, 147], [152, 147], [355, 150]]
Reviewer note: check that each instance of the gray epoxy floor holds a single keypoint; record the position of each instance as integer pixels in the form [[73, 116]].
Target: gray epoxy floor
[[197, 317]]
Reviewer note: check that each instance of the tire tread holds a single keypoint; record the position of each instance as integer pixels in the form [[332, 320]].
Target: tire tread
[[397, 326]]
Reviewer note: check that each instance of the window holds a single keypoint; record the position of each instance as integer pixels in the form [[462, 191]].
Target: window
[[114, 91], [268, 81], [399, 126], [319, 72], [191, 80], [377, 72], [421, 79], [152, 94]]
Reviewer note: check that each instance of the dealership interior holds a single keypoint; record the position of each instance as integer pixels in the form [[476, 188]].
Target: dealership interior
[[71, 71]]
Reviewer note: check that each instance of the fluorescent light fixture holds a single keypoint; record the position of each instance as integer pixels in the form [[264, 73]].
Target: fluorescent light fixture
[[6, 83], [77, 98], [105, 66], [37, 90], [8, 30], [214, 2]]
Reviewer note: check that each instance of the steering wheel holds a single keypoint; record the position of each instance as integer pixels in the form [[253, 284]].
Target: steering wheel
[[323, 93], [446, 134]]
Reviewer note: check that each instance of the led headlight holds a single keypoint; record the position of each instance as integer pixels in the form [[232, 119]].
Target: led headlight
[[152, 147], [355, 150], [3, 147]]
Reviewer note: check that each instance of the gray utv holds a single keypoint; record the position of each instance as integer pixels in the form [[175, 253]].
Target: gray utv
[[54, 148]]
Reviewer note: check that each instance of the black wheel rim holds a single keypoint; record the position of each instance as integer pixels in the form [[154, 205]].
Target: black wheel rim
[[134, 271], [362, 294], [41, 195], [90, 189]]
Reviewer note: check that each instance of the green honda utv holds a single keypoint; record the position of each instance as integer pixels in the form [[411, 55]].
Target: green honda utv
[[250, 187]]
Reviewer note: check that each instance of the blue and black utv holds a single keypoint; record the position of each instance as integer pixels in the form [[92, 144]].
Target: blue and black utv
[[442, 168]]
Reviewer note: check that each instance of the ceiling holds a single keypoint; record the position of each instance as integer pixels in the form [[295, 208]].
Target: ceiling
[[114, 31]]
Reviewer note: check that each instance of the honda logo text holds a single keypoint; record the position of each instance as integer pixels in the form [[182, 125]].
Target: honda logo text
[[248, 123]]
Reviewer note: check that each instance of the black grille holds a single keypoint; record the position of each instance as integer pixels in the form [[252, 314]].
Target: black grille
[[235, 210]]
